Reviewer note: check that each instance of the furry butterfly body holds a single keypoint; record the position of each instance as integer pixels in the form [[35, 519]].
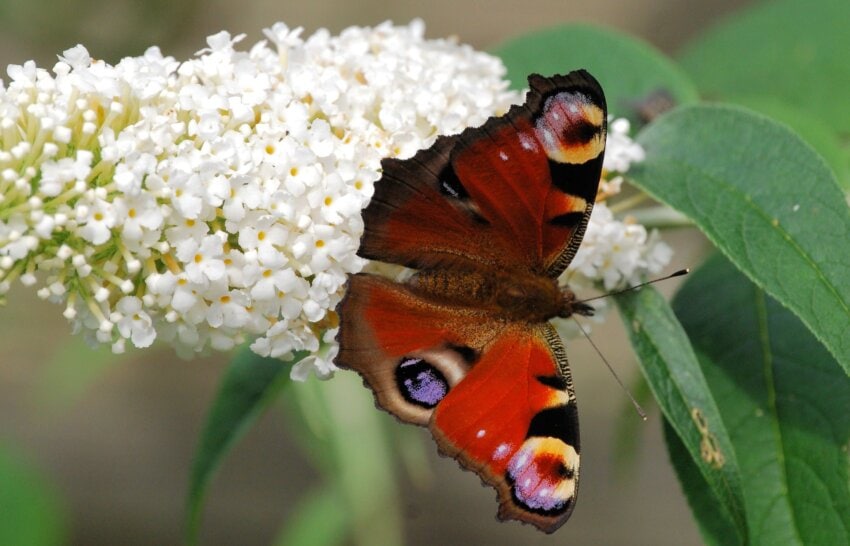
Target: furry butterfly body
[[488, 219]]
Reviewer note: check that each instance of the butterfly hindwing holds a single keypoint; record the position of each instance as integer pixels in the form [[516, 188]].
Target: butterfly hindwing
[[410, 350], [500, 402], [513, 420], [514, 193]]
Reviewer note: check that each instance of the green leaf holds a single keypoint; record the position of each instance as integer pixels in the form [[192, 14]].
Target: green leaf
[[74, 367], [628, 69], [309, 423], [766, 200], [30, 508], [814, 131], [248, 386], [677, 382], [716, 528], [784, 400], [412, 449], [795, 50], [348, 440], [320, 519]]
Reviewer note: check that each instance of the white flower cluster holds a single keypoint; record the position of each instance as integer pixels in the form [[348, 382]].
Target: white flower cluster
[[219, 199], [620, 150], [615, 252]]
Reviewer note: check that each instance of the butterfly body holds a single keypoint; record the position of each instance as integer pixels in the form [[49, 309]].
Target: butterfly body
[[515, 296], [488, 219]]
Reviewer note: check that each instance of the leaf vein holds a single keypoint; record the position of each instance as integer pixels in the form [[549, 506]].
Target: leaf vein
[[770, 386]]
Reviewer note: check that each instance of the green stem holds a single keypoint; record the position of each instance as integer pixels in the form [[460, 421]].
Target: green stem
[[363, 463], [628, 203]]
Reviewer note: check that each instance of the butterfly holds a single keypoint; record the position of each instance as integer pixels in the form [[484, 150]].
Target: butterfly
[[488, 219]]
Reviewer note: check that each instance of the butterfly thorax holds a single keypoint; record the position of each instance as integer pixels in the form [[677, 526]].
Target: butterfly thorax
[[517, 296]]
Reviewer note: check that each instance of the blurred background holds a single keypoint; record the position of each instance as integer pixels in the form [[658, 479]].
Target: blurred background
[[108, 441]]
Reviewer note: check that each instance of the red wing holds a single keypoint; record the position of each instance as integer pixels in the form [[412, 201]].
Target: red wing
[[514, 193], [497, 397], [513, 421], [411, 351], [412, 220]]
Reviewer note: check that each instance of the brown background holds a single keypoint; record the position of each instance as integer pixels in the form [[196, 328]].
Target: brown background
[[119, 447]]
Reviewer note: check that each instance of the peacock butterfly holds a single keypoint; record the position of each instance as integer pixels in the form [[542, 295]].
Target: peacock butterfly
[[488, 219]]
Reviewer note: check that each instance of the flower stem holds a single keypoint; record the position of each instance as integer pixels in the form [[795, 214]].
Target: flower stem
[[628, 203]]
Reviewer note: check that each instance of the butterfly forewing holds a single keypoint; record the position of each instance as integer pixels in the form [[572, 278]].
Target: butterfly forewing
[[418, 217], [534, 172], [513, 193]]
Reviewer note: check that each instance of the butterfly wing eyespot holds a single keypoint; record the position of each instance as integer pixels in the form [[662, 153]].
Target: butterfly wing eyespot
[[410, 351], [420, 382], [571, 128], [543, 477]]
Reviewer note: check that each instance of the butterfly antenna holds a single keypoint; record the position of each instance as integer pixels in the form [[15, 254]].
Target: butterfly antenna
[[678, 273], [608, 364]]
